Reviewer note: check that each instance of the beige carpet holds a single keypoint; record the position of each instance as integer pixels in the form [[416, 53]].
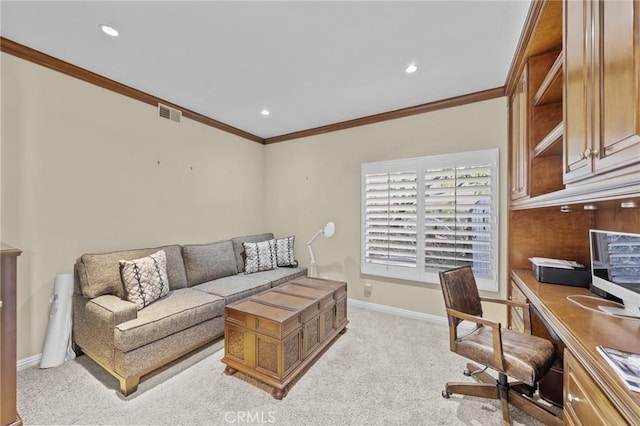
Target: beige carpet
[[386, 370]]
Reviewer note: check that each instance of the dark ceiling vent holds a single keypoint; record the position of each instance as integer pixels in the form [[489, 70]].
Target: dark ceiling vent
[[169, 113]]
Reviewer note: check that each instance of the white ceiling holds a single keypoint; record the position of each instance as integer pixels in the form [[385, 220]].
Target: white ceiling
[[309, 63]]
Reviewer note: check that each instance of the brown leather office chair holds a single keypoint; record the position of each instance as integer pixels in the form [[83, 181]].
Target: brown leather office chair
[[520, 356]]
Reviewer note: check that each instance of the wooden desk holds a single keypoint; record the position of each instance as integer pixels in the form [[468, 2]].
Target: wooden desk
[[582, 329]]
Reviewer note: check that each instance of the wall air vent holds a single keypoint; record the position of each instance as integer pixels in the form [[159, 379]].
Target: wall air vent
[[169, 113]]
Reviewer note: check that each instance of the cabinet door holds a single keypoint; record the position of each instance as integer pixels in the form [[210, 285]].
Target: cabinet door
[[617, 75], [585, 403], [519, 137], [577, 90]]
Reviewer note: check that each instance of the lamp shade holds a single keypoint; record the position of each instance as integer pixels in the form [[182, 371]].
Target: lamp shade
[[329, 229]]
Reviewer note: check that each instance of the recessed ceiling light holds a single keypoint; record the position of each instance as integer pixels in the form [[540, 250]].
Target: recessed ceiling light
[[109, 30], [411, 69], [265, 112]]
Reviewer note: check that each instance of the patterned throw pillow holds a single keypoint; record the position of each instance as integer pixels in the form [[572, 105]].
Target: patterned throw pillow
[[284, 252], [261, 256], [145, 280]]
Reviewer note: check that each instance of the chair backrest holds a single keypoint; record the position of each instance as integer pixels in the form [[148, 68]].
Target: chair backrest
[[460, 292]]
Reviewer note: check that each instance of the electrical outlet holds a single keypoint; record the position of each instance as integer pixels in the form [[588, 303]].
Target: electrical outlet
[[367, 289]]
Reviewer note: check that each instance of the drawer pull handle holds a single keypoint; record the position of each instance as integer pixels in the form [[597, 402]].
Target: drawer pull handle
[[572, 398]]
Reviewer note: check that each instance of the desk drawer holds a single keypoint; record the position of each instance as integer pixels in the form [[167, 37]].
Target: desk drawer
[[516, 319], [584, 401]]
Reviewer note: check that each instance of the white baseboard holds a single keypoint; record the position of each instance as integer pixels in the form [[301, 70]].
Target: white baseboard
[[29, 362], [405, 313], [35, 360], [398, 311]]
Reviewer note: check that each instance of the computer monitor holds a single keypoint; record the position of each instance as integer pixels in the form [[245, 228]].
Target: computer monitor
[[615, 269]]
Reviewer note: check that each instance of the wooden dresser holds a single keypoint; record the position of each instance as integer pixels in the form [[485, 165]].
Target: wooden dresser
[[8, 407]]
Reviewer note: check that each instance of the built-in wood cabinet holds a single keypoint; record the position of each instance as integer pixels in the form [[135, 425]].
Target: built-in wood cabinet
[[575, 143], [602, 87], [578, 66], [519, 137], [577, 116], [584, 400], [545, 121]]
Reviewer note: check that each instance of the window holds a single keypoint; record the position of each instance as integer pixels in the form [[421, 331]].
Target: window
[[424, 215]]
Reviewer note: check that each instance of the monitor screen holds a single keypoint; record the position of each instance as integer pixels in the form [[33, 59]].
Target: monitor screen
[[615, 268]]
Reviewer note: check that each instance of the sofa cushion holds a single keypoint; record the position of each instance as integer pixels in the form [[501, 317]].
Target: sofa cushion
[[100, 273], [284, 251], [260, 256], [236, 287], [178, 311], [239, 286], [282, 275], [238, 246], [145, 279], [206, 262]]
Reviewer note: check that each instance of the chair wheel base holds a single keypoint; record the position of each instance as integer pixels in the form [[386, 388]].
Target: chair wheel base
[[467, 373], [445, 394]]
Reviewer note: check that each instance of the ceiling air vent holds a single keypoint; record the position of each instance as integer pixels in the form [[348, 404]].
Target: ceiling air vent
[[169, 113]]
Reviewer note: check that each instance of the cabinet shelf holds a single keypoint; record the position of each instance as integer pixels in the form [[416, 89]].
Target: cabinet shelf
[[620, 187], [551, 144], [550, 89]]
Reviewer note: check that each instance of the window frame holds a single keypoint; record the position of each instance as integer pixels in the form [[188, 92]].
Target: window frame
[[420, 165]]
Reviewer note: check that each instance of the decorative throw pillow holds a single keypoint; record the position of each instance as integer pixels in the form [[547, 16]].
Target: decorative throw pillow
[[284, 252], [261, 256], [145, 280]]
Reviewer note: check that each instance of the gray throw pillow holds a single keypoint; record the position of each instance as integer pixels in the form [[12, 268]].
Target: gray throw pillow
[[284, 252], [260, 256]]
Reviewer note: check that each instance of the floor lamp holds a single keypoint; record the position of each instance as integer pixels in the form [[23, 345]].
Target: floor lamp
[[328, 231]]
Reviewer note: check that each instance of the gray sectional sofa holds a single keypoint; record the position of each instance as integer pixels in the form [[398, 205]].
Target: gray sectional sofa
[[203, 278]]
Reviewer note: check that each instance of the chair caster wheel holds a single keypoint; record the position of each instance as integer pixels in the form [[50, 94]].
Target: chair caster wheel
[[445, 394], [467, 373]]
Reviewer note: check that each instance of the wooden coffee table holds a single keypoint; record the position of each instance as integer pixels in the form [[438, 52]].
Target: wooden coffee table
[[274, 335]]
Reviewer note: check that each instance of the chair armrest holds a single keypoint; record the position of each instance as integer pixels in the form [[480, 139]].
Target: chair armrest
[[525, 308], [496, 333], [472, 318]]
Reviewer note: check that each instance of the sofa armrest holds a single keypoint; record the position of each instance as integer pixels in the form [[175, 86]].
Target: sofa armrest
[[94, 323], [114, 309]]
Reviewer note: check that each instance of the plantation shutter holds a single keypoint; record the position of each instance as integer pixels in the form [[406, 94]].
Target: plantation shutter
[[459, 221], [390, 218], [420, 216]]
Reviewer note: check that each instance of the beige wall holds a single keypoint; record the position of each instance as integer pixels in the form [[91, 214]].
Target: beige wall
[[80, 174], [316, 179]]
